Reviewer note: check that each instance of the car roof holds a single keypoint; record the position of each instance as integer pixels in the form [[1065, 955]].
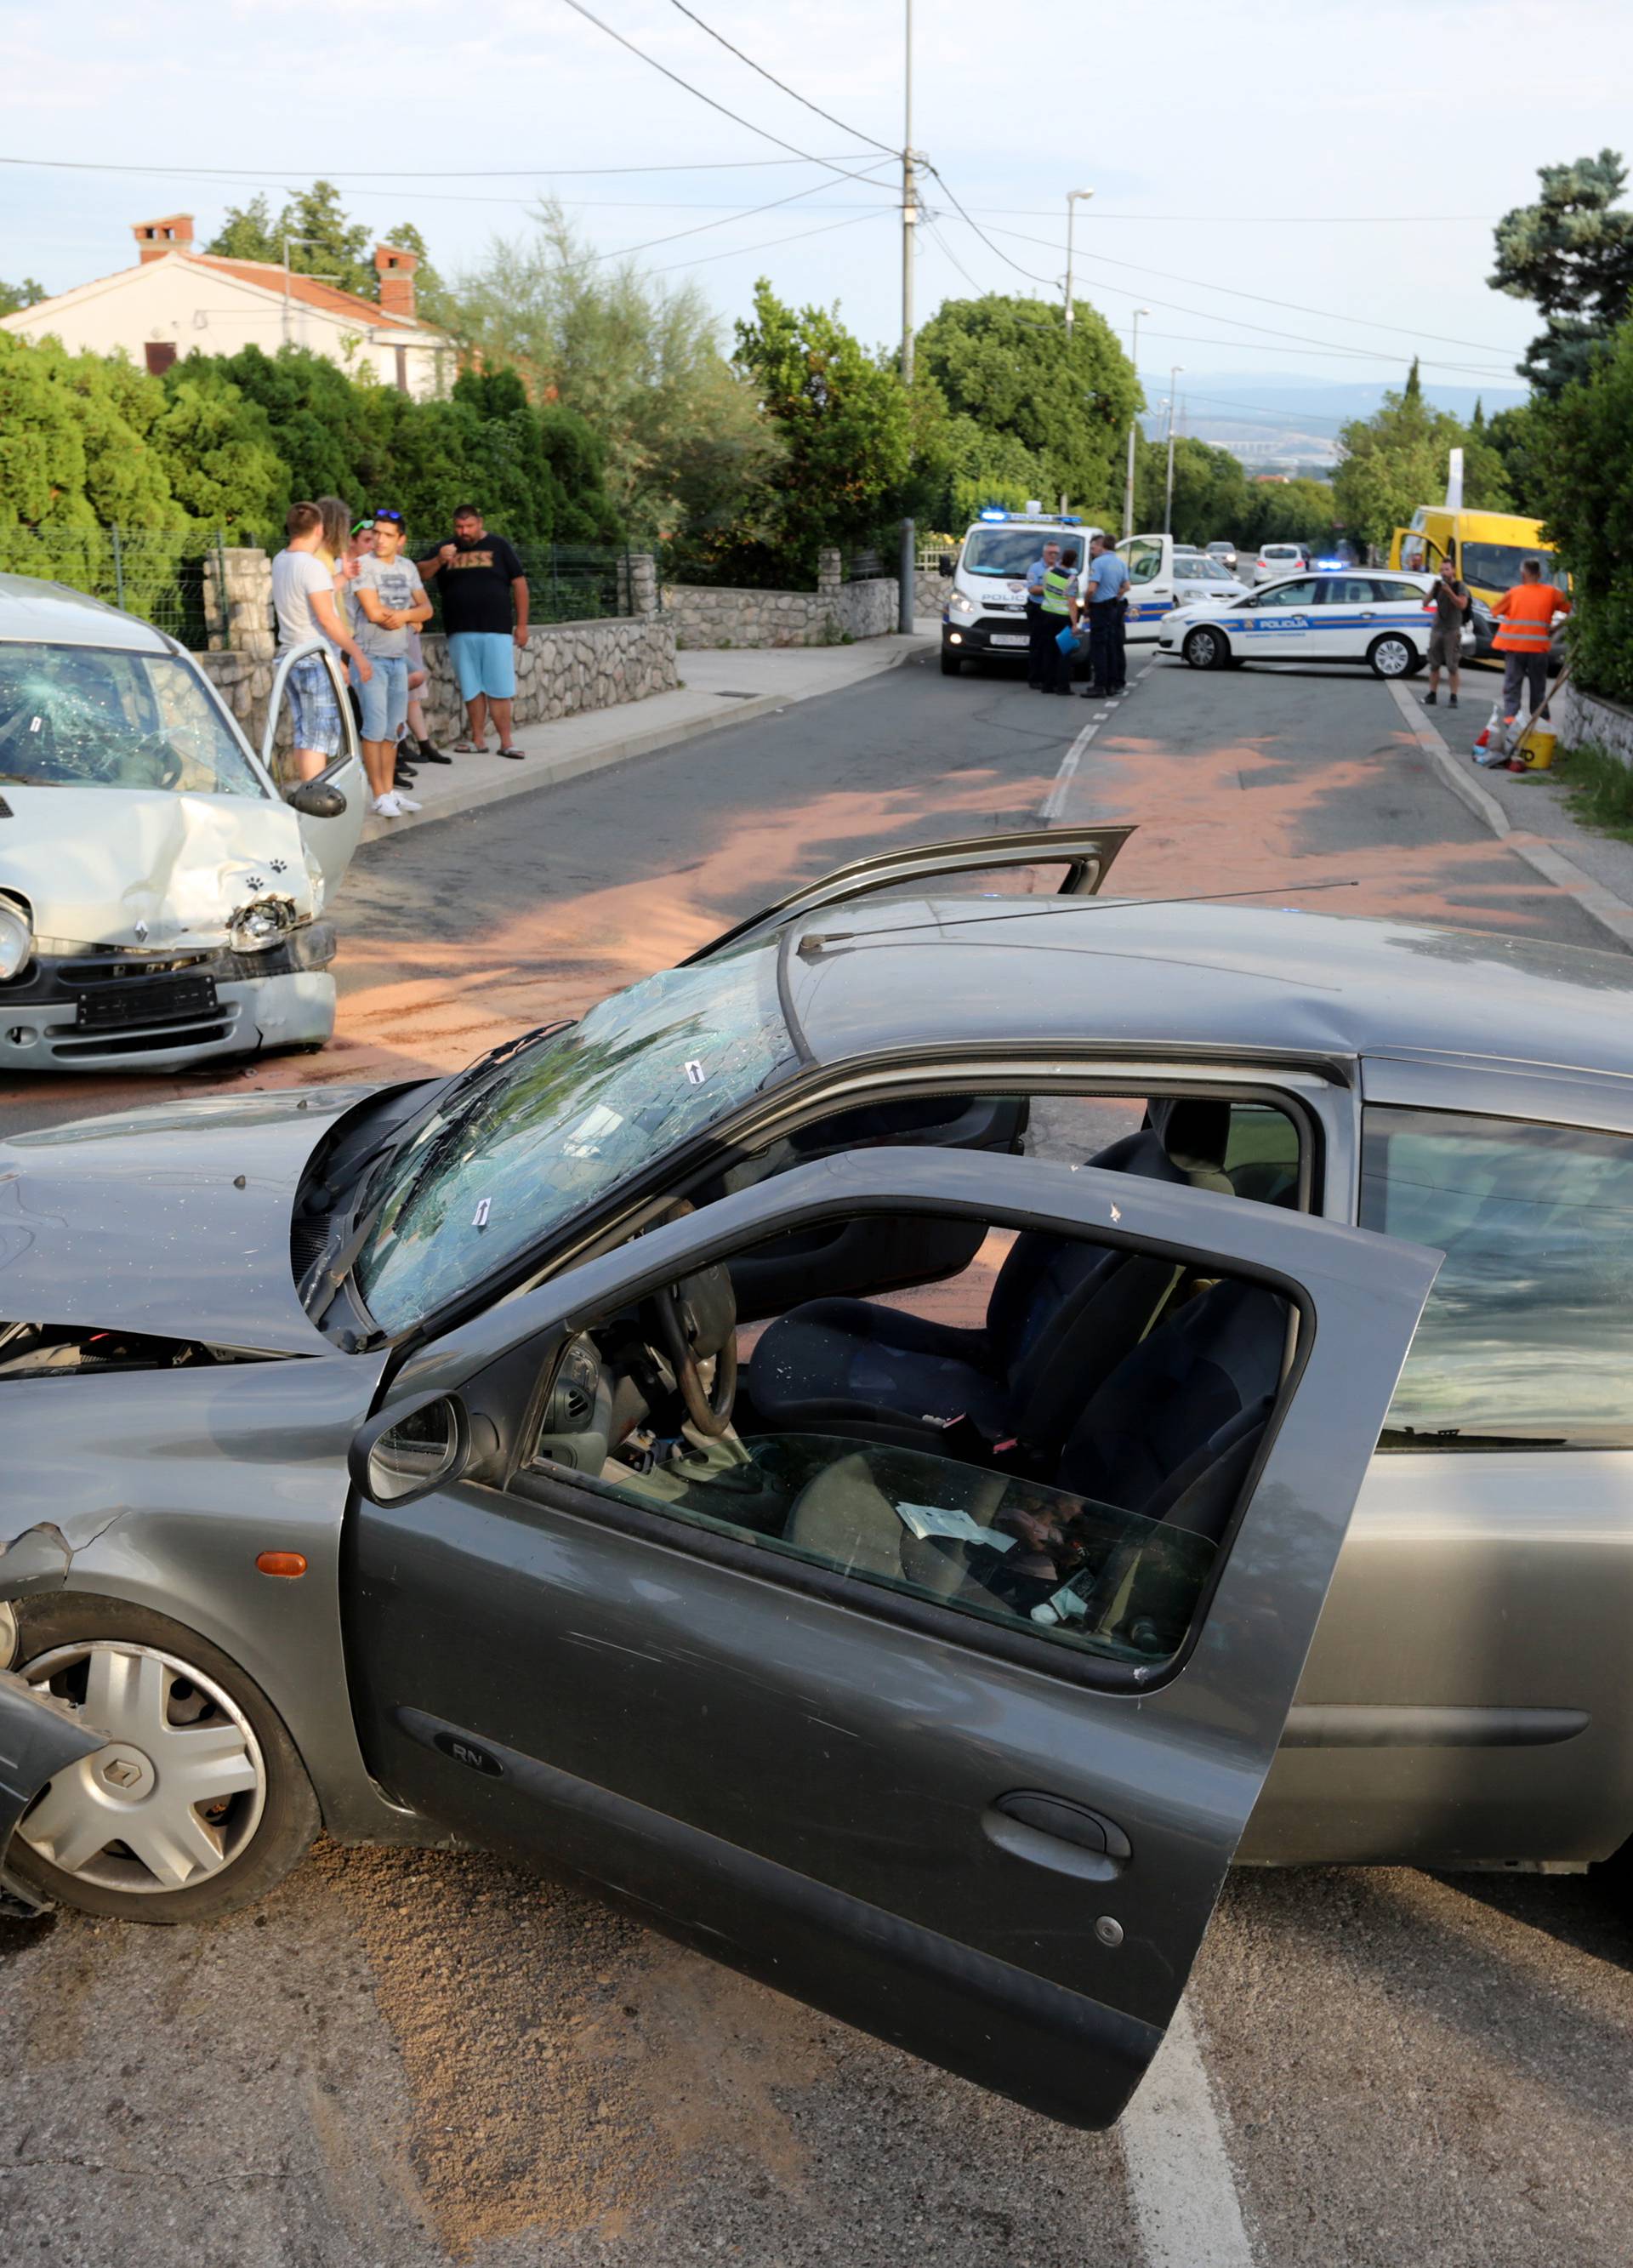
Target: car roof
[[871, 976], [49, 613]]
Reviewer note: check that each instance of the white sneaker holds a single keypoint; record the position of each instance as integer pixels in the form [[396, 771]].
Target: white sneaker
[[388, 807], [404, 802]]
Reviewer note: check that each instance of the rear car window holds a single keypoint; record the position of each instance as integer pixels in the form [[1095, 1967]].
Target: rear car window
[[1527, 1337]]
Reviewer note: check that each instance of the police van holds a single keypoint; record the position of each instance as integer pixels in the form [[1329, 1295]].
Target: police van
[[986, 611]]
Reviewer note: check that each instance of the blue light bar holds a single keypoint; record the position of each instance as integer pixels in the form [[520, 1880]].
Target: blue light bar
[[992, 511]]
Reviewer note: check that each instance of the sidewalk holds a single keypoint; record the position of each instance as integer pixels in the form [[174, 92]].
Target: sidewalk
[[725, 685], [1528, 810]]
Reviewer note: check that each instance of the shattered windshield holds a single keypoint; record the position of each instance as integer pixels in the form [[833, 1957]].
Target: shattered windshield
[[79, 715], [567, 1120]]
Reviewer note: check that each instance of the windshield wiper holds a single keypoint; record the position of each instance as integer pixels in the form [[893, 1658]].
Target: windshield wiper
[[1453, 1437]]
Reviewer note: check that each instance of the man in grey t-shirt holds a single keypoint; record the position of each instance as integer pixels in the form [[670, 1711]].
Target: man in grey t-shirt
[[390, 600], [303, 599]]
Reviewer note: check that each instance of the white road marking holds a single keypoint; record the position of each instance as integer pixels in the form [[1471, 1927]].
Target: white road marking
[[1055, 802], [1181, 2184]]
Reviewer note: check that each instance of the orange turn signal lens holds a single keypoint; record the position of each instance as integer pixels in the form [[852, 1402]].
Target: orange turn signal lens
[[281, 1563]]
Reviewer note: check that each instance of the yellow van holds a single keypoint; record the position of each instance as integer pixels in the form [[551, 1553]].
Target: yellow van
[[1486, 547]]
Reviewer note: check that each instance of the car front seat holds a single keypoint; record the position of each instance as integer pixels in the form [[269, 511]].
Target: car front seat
[[1060, 1313]]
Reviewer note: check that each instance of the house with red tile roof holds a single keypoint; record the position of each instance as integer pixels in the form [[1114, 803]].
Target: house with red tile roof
[[176, 300]]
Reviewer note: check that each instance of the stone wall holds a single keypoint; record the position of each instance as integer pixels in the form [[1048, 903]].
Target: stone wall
[[1581, 717], [837, 613], [931, 592], [564, 669]]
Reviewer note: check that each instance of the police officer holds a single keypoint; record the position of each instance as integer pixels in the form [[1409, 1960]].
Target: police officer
[[1108, 607], [1040, 668], [1060, 607]]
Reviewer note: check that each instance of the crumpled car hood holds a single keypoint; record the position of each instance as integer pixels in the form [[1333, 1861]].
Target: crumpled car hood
[[173, 1221], [148, 868]]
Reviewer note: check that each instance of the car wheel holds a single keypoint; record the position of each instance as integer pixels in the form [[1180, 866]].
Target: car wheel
[[1206, 649], [199, 1803], [952, 665], [1392, 655]]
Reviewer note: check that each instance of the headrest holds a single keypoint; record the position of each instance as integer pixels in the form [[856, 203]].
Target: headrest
[[1195, 1131]]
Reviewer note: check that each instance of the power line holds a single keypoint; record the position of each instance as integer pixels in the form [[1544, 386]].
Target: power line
[[1265, 220], [1199, 339], [742, 251], [764, 133], [1293, 307], [1046, 281], [780, 84], [256, 177], [702, 227]]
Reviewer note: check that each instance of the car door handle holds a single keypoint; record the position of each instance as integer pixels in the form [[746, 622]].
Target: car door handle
[[1048, 1831], [1367, 613]]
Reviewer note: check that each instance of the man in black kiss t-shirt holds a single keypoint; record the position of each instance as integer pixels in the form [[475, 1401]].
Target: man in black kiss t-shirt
[[484, 611]]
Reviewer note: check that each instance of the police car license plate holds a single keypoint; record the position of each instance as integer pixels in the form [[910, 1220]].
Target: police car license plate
[[1007, 638]]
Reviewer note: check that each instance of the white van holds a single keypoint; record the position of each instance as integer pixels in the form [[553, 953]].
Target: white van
[[986, 609]]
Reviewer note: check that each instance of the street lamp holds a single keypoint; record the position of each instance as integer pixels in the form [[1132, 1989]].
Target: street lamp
[[1073, 198], [1134, 427], [1167, 508]]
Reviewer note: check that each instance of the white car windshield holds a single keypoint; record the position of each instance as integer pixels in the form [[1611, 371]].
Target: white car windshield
[[77, 716], [561, 1123], [1010, 552], [1196, 567]]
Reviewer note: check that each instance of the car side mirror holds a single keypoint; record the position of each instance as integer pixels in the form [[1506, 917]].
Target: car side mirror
[[407, 1452], [943, 566], [317, 799]]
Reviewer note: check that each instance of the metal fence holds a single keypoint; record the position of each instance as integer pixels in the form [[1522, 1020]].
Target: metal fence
[[155, 572], [566, 582]]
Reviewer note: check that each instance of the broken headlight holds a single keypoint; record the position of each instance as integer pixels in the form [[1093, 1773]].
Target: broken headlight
[[17, 938], [261, 924]]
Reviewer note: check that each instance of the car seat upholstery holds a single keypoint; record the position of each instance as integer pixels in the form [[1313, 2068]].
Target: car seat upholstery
[[1060, 1313], [1170, 1435]]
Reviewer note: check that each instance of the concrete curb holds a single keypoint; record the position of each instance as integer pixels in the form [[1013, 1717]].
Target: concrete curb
[[555, 771], [1545, 858]]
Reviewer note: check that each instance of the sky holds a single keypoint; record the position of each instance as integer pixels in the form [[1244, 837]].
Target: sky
[[1345, 159]]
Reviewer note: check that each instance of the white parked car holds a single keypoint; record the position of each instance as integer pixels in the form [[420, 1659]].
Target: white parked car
[[1275, 559], [1163, 574], [160, 898], [1376, 616]]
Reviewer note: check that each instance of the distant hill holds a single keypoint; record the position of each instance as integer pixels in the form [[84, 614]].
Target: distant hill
[[1268, 418]]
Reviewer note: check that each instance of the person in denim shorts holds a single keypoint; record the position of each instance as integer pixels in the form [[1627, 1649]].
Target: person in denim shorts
[[302, 597], [389, 602]]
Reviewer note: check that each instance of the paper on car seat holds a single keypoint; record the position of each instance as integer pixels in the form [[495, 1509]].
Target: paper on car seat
[[927, 1519]]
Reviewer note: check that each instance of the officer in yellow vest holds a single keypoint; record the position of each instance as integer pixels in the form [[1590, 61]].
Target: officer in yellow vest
[[1060, 585]]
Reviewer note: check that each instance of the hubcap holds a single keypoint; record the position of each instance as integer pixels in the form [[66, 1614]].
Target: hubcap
[[177, 1791], [1392, 657]]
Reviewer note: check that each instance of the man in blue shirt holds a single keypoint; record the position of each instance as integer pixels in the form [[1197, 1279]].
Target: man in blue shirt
[[1108, 594], [1040, 631]]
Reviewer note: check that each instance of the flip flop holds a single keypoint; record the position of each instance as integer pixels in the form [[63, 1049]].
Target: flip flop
[[517, 753], [466, 749]]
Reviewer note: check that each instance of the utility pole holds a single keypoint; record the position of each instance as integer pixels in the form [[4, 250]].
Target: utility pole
[[1167, 509], [907, 565], [1074, 197], [1134, 427]]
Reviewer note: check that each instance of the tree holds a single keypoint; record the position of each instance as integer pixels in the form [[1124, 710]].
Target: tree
[[325, 241], [1398, 457], [15, 297], [1516, 436], [1210, 492], [1583, 460], [1572, 255], [845, 423], [1007, 365], [639, 361]]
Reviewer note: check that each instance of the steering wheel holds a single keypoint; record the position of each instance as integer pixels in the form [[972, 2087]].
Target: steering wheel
[[696, 1318]]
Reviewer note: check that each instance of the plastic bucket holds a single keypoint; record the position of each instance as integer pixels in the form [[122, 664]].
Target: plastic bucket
[[1537, 749]]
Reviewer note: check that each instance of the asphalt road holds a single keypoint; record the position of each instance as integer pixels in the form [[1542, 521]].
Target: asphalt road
[[421, 2058]]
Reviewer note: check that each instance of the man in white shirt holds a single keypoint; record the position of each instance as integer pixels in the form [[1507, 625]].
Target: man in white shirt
[[303, 599]]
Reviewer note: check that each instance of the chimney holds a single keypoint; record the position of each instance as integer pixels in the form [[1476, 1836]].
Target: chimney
[[396, 270], [156, 237]]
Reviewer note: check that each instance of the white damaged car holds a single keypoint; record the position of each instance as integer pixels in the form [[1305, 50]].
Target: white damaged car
[[161, 898]]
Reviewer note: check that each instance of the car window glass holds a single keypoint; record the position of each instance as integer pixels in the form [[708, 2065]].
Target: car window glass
[[1528, 1333], [84, 717], [1288, 595], [1392, 593], [1143, 560], [1006, 551], [1073, 1532]]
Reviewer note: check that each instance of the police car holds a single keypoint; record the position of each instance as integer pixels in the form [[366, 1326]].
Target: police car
[[1164, 575], [985, 615], [1375, 616]]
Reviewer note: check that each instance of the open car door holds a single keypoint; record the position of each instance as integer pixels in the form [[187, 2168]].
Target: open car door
[[991, 1835], [1085, 854], [333, 807]]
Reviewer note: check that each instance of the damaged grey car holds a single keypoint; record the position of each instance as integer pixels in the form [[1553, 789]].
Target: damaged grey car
[[736, 1450]]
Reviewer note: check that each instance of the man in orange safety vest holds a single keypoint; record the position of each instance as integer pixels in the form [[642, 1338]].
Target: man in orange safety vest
[[1527, 614]]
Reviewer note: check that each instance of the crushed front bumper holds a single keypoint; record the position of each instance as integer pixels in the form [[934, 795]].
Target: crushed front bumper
[[117, 1011]]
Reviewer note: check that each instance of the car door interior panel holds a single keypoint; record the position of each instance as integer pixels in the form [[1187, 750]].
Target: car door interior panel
[[864, 1716]]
